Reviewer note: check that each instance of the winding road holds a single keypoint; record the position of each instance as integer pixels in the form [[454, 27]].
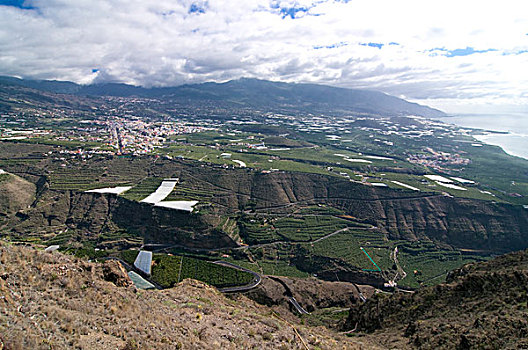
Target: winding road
[[256, 278], [297, 306]]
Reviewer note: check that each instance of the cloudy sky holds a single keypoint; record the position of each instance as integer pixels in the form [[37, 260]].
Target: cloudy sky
[[460, 55]]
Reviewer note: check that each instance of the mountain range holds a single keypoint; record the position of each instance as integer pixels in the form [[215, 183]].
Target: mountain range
[[256, 94]]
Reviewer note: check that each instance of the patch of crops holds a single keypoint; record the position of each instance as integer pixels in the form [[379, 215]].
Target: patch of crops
[[346, 246], [308, 228], [427, 264], [168, 270], [256, 230], [129, 256], [143, 189], [213, 274]]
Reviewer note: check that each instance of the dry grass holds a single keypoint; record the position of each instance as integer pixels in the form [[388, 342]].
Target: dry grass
[[53, 301]]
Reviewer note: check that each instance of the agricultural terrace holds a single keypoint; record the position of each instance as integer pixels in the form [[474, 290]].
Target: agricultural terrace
[[167, 270]]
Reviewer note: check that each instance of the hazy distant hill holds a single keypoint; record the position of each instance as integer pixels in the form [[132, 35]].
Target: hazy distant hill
[[252, 93]]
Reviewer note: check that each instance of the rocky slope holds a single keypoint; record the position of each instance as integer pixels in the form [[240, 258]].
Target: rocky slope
[[56, 301], [482, 305], [311, 293], [15, 194]]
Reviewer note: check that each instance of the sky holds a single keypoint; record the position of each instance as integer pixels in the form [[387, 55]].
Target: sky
[[460, 56]]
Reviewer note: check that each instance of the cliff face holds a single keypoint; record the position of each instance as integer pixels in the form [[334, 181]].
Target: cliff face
[[92, 214], [163, 225], [460, 222]]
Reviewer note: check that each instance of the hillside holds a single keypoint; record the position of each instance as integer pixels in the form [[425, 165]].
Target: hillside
[[249, 93], [15, 194], [60, 302], [481, 305]]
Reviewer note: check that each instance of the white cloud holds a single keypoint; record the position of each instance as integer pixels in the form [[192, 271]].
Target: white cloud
[[161, 43]]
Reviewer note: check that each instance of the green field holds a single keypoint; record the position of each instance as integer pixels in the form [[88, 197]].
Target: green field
[[143, 189], [308, 228], [167, 270]]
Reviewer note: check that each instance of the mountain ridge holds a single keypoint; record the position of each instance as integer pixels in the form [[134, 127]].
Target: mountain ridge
[[249, 92]]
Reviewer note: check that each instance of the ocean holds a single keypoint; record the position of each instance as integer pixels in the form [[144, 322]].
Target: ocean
[[515, 142]]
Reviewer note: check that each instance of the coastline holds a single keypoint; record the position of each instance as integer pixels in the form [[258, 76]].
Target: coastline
[[511, 134], [510, 143]]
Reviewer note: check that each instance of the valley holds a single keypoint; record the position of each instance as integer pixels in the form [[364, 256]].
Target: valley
[[361, 199]]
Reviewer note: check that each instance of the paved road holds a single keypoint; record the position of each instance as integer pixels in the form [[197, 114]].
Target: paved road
[[256, 279], [297, 306]]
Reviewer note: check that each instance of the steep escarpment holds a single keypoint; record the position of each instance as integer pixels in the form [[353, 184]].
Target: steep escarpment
[[462, 223], [459, 222], [163, 225], [274, 191], [482, 305], [88, 215]]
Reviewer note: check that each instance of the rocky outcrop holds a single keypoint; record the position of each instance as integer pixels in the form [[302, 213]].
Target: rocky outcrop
[[311, 293], [114, 272], [15, 194]]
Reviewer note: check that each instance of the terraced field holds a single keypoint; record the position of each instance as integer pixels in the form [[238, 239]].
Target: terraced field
[[308, 228], [426, 264], [143, 189], [168, 270], [346, 246], [297, 228], [97, 173], [257, 230]]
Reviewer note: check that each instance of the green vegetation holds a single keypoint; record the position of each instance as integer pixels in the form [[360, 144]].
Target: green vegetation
[[287, 234], [213, 274], [308, 228], [98, 172], [61, 238], [88, 252], [143, 189], [346, 246], [169, 270], [186, 190], [4, 177], [129, 256], [166, 269], [255, 230], [426, 264]]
